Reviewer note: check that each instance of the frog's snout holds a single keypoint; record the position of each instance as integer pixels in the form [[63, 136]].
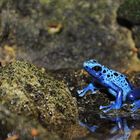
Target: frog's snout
[[85, 64], [89, 62]]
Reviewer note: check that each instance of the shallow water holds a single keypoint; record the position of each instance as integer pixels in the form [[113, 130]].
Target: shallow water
[[111, 127]]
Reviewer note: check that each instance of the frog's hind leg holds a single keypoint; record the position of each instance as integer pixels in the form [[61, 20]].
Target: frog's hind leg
[[118, 102], [136, 106], [104, 107], [134, 96], [90, 87]]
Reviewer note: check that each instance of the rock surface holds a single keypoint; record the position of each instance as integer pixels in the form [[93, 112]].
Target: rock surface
[[15, 127], [61, 35], [55, 36], [128, 15], [29, 91], [130, 12]]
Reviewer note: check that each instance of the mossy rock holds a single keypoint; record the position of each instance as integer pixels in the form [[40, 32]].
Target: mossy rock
[[30, 91], [15, 127], [130, 11]]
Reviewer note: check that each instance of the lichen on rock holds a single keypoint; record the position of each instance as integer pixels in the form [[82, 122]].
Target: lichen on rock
[[30, 91]]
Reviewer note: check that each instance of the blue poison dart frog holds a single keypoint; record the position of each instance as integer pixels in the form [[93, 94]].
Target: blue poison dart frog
[[116, 83]]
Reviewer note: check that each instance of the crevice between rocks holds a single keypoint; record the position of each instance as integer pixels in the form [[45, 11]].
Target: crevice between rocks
[[125, 23]]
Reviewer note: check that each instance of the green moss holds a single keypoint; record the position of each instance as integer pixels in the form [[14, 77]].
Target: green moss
[[28, 90], [44, 1]]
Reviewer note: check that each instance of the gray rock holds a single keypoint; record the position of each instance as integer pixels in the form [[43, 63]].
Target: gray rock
[[85, 30]]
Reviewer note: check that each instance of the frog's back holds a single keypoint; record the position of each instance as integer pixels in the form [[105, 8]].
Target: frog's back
[[118, 79]]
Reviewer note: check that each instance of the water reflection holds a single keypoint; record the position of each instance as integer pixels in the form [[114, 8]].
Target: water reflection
[[111, 127]]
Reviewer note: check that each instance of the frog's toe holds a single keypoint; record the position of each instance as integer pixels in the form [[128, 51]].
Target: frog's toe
[[81, 93], [107, 110], [134, 109], [93, 92], [132, 105], [135, 105], [109, 107], [104, 107]]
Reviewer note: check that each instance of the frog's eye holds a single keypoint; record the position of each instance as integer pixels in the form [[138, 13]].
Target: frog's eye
[[116, 74], [97, 68]]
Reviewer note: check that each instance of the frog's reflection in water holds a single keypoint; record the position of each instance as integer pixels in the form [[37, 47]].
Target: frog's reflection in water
[[112, 127]]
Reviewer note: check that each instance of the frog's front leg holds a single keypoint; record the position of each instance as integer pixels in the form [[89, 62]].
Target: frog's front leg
[[118, 102], [91, 87]]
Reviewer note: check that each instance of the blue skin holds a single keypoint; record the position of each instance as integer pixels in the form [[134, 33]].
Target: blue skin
[[116, 83]]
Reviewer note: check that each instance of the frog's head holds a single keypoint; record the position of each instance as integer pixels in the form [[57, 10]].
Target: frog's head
[[93, 68]]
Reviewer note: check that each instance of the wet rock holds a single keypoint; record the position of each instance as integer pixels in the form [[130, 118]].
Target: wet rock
[[88, 30], [19, 127], [29, 91]]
